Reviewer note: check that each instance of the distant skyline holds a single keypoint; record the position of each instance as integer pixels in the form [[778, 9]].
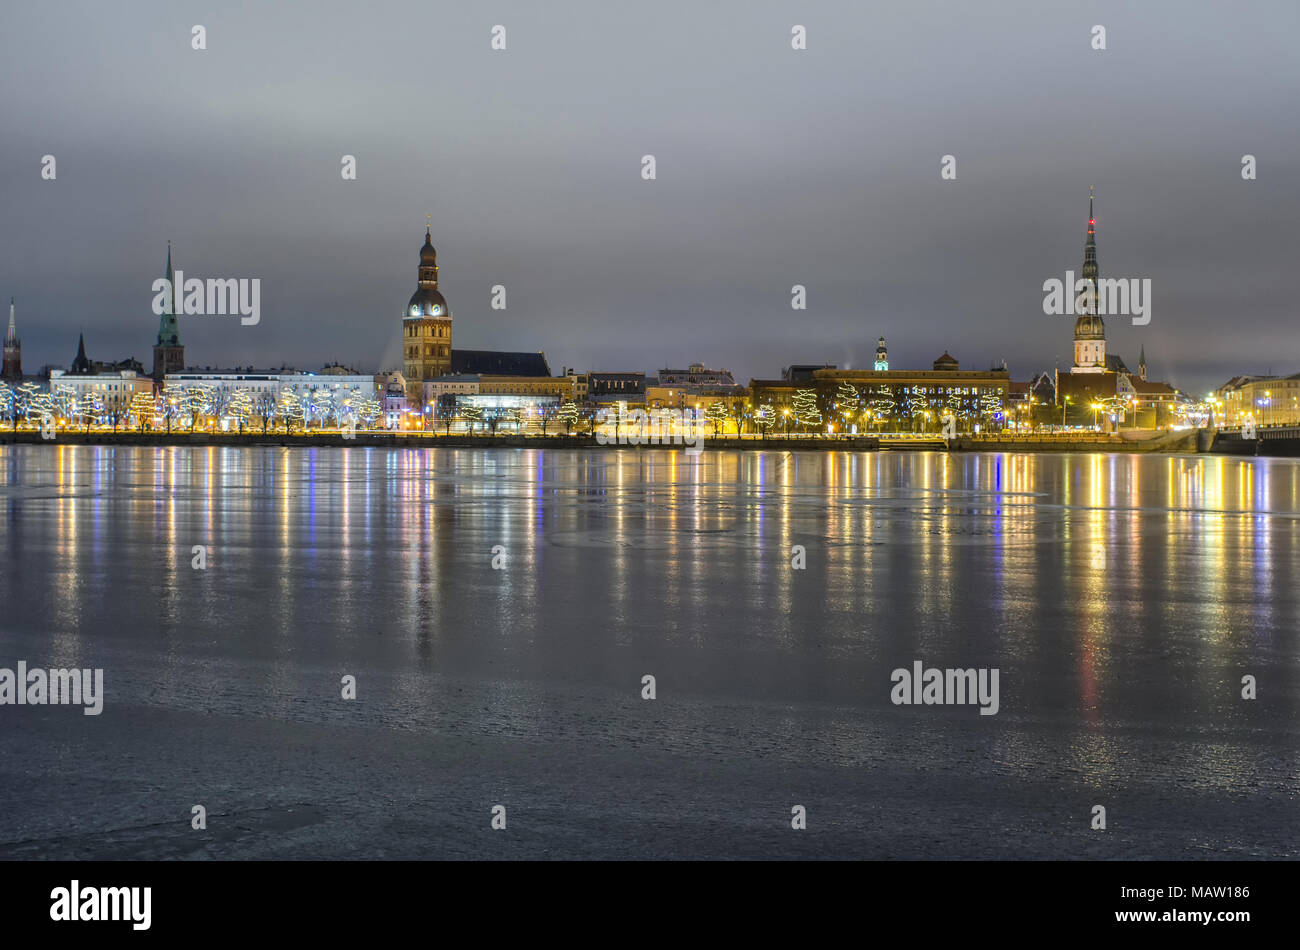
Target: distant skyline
[[774, 167]]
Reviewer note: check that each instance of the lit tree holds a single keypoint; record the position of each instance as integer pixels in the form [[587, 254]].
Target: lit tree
[[502, 415], [290, 410], [41, 405], [64, 400], [990, 404], [765, 417], [348, 412], [241, 408], [737, 412], [806, 412], [264, 406], [716, 414], [882, 406], [369, 411], [142, 408], [171, 407], [319, 406], [568, 415], [24, 396], [472, 413], [195, 402], [847, 403], [9, 403], [954, 404], [118, 410]]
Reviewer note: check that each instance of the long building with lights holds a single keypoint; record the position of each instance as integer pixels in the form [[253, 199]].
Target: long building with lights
[[861, 400]]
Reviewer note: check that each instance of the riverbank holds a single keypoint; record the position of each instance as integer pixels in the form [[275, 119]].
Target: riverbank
[[1188, 441], [420, 440], [1067, 443]]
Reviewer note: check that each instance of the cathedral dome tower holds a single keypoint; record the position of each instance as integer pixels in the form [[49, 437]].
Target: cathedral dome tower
[[426, 328]]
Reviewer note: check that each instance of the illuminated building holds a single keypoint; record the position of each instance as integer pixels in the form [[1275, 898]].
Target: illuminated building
[[1265, 400], [102, 393], [864, 399]]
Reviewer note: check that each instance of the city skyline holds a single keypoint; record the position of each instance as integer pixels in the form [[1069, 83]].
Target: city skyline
[[607, 270]]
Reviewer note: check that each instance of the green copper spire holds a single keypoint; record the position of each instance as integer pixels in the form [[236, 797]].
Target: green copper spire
[[167, 332], [1090, 250]]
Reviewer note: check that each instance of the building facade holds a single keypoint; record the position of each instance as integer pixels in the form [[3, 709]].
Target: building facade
[[322, 398], [863, 400], [104, 396], [695, 375], [1263, 400], [607, 388]]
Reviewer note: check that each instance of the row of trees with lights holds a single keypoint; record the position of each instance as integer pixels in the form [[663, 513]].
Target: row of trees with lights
[[851, 408], [185, 407], [33, 405], [567, 416]]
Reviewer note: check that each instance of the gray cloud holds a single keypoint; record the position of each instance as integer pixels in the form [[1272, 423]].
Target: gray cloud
[[775, 167]]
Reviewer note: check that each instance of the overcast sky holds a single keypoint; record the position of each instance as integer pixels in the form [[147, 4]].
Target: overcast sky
[[775, 167]]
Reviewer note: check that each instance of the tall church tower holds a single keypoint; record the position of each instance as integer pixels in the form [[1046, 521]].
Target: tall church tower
[[1089, 330], [882, 356], [426, 328], [13, 363], [168, 354]]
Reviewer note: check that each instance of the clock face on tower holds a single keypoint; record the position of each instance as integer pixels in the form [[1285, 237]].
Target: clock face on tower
[[436, 310], [415, 311]]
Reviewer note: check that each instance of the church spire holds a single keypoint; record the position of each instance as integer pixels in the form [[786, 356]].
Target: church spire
[[13, 358], [168, 334], [428, 258], [168, 353], [1089, 328], [1090, 247], [81, 365]]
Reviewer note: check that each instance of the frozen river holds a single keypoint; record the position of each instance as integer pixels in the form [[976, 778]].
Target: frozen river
[[1122, 598]]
